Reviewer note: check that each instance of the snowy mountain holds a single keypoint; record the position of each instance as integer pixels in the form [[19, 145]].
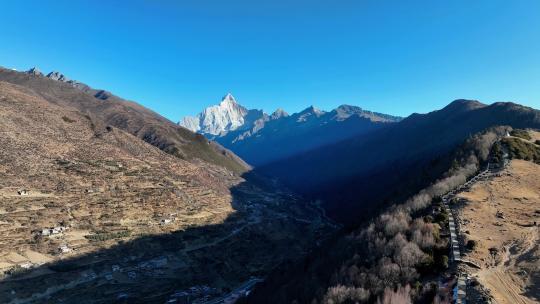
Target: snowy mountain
[[219, 119], [259, 138], [289, 135]]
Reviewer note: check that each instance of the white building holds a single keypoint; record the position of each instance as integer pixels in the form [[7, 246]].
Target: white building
[[23, 192]]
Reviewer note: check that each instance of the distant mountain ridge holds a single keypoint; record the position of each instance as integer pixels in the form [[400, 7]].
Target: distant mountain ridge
[[259, 138], [359, 180], [352, 174], [55, 75], [227, 116]]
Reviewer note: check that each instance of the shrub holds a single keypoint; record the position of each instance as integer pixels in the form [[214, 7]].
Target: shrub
[[67, 119], [471, 244], [521, 134], [340, 294], [443, 262], [108, 236], [16, 270], [417, 286], [11, 208], [496, 153], [437, 199], [427, 266], [522, 150], [399, 296], [442, 218]]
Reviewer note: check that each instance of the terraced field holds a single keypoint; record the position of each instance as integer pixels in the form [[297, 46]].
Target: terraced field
[[88, 209]]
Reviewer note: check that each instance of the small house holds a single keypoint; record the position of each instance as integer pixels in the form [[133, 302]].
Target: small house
[[58, 230], [65, 249], [26, 265], [23, 192], [165, 221]]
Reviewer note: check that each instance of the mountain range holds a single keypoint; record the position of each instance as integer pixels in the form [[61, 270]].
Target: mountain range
[[260, 138], [356, 173], [387, 184], [99, 191]]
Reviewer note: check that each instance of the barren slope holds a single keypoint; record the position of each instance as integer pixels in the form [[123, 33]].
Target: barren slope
[[499, 215], [112, 216], [128, 116]]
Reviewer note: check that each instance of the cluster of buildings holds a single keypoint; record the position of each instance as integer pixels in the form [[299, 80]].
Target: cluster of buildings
[[194, 294], [53, 231]]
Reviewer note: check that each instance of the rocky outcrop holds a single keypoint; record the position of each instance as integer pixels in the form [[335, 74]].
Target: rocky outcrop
[[57, 76], [279, 113], [34, 71], [102, 94]]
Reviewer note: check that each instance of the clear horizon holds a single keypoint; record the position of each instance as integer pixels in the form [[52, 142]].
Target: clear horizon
[[389, 57]]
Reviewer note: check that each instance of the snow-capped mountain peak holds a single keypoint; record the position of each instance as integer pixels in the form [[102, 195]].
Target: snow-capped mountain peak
[[260, 138], [279, 113], [228, 99], [219, 119], [309, 113]]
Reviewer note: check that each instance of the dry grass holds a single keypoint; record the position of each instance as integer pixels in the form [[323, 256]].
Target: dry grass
[[499, 214]]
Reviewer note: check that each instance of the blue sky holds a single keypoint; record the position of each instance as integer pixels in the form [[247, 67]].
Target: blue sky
[[177, 57]]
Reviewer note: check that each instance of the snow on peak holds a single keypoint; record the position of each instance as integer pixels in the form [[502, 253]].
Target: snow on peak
[[228, 99], [308, 113], [228, 115], [278, 113]]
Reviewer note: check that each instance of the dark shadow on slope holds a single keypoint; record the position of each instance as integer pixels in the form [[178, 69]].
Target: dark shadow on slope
[[354, 174], [148, 269], [304, 278], [284, 138], [309, 277]]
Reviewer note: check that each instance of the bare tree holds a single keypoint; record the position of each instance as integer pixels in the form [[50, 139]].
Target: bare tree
[[398, 296], [340, 294]]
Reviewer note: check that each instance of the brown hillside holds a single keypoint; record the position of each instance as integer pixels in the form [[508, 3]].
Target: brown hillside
[[499, 215], [119, 205], [128, 116]]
